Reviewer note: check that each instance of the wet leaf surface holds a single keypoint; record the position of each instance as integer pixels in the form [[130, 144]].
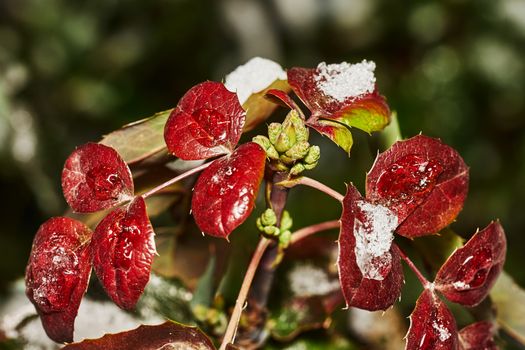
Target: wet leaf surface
[[169, 335], [57, 274], [432, 325], [123, 248], [225, 193], [94, 178], [477, 336], [207, 122], [423, 181], [370, 269], [139, 140], [471, 271]]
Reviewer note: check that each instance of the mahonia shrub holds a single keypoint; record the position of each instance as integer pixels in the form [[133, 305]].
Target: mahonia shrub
[[415, 188]]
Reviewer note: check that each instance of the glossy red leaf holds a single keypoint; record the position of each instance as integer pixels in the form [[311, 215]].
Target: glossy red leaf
[[370, 269], [225, 192], [57, 274], [471, 271], [123, 248], [207, 122], [421, 179], [169, 335], [363, 107], [477, 336], [95, 177], [432, 325]]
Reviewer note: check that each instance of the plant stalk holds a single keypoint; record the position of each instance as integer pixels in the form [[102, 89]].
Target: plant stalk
[[307, 181], [243, 293], [310, 230], [426, 283], [176, 179]]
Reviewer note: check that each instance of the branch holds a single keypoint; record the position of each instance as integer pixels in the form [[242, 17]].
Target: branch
[[243, 292], [310, 230], [304, 180], [426, 283], [176, 179]]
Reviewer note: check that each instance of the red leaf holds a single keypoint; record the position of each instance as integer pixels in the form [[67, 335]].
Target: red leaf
[[469, 273], [95, 177], [282, 98], [432, 325], [225, 193], [346, 94], [57, 274], [421, 179], [477, 336], [123, 248], [168, 335], [207, 122], [370, 271]]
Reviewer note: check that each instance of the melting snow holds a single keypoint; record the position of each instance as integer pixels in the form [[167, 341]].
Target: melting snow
[[308, 280], [373, 239], [461, 285], [443, 333], [344, 80], [254, 76]]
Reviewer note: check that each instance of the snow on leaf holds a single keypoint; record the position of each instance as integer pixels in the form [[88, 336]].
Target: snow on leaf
[[95, 177], [423, 181], [253, 76], [432, 325], [477, 336], [370, 269], [123, 248], [168, 335], [57, 274], [343, 92], [469, 273], [207, 122], [224, 195]]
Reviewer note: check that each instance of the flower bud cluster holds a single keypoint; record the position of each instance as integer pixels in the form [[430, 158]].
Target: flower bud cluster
[[287, 145], [267, 224]]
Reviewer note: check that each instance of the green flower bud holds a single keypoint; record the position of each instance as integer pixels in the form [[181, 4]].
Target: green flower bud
[[310, 166], [268, 218], [274, 130], [283, 142], [299, 150], [286, 221], [286, 160], [297, 169], [265, 143], [285, 238], [259, 224], [290, 125], [301, 131], [280, 167], [271, 231], [314, 153]]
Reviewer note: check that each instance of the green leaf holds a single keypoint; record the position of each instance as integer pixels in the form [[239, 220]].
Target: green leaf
[[169, 335], [139, 140], [368, 114], [335, 131], [203, 293], [509, 299]]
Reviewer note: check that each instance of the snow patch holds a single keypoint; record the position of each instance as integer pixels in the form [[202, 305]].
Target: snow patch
[[373, 239], [461, 285], [253, 76], [344, 80], [308, 280], [443, 333]]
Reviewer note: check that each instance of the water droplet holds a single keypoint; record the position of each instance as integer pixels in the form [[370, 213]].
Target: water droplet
[[474, 271]]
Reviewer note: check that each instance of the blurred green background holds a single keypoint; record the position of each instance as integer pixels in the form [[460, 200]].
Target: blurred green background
[[71, 71]]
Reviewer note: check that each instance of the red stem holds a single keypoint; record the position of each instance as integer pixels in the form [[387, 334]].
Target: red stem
[[426, 283], [243, 292], [176, 179], [320, 186], [310, 230]]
